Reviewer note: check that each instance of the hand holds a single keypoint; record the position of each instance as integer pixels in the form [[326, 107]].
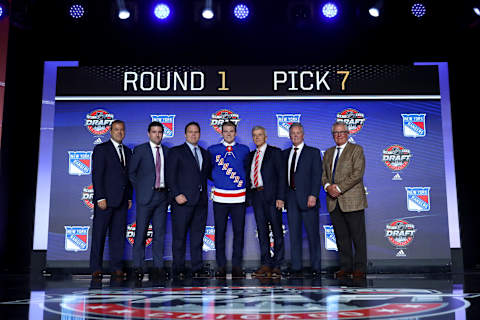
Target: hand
[[102, 204], [280, 204], [333, 191], [181, 199], [312, 201], [130, 202]]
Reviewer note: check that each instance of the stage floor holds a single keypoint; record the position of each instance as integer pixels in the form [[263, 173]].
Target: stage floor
[[385, 296]]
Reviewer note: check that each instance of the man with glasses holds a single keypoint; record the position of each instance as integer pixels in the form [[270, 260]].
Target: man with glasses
[[342, 179]]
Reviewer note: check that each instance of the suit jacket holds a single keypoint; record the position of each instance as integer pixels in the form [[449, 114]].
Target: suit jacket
[[348, 176], [184, 176], [109, 177], [272, 171], [141, 172], [308, 175]]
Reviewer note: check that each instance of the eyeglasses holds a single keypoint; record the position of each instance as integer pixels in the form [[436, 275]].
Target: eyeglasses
[[339, 133]]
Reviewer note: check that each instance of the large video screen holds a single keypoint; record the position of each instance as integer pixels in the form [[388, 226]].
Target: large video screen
[[400, 115]]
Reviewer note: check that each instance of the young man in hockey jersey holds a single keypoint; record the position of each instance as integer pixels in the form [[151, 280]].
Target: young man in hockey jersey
[[229, 193]]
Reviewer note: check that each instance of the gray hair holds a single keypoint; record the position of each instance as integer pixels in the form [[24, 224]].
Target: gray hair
[[259, 128], [296, 124], [339, 123]]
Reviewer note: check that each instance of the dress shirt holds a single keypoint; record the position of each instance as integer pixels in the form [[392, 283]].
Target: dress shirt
[[260, 160], [116, 144], [162, 162], [199, 153], [337, 149], [300, 148]]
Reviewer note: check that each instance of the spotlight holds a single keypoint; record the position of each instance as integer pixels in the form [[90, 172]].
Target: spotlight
[[123, 12], [161, 11], [241, 11], [329, 10], [476, 10], [374, 10], [76, 11], [418, 10], [207, 14]]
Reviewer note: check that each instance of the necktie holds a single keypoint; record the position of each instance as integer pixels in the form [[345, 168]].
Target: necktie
[[122, 161], [292, 168], [335, 165], [158, 165], [196, 158], [255, 169]]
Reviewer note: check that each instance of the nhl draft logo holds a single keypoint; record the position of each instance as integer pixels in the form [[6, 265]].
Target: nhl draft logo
[[209, 239], [87, 196], [353, 119], [418, 198], [76, 238], [400, 234], [284, 121], [330, 240], [396, 158], [167, 120], [221, 116], [99, 122], [131, 229], [414, 125], [79, 163]]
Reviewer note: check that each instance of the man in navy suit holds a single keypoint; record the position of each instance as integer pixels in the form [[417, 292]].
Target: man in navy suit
[[112, 195], [304, 174], [266, 186], [147, 174], [188, 167]]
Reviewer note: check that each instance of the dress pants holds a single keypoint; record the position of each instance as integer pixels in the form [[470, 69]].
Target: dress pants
[[237, 214], [113, 220], [192, 219], [310, 220], [350, 227], [267, 214], [156, 211]]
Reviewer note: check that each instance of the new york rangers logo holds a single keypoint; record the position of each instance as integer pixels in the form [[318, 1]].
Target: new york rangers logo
[[353, 118], [209, 239], [168, 122], [330, 240], [418, 198], [99, 122], [414, 125], [284, 121], [79, 163], [76, 238]]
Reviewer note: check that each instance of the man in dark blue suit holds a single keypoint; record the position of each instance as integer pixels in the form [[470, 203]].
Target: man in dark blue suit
[[304, 174], [147, 174], [112, 195], [188, 167], [266, 190]]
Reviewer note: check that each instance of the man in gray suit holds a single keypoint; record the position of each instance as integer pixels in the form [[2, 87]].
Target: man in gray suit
[[342, 179], [147, 174]]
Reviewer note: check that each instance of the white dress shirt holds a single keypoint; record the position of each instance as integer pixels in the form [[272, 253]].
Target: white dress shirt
[[199, 153], [338, 149], [260, 160], [300, 148], [122, 156], [153, 146]]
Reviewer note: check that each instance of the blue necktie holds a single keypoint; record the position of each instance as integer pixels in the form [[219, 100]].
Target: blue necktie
[[335, 165], [196, 158]]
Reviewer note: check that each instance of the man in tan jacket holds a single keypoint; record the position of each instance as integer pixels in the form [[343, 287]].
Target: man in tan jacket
[[342, 179]]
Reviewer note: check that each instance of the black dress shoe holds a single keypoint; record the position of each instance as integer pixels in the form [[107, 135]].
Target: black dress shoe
[[316, 274], [295, 274], [201, 273], [237, 272], [138, 274], [97, 275], [157, 274], [221, 273], [342, 274], [118, 274], [179, 275]]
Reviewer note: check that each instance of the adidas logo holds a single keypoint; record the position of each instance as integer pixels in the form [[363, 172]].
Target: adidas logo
[[98, 141], [401, 253], [397, 177]]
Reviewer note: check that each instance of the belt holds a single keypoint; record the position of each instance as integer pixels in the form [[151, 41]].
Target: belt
[[160, 189], [258, 189]]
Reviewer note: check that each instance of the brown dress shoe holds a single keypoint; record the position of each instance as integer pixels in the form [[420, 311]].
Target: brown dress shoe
[[97, 275], [342, 274], [359, 274], [118, 274], [276, 273], [263, 271]]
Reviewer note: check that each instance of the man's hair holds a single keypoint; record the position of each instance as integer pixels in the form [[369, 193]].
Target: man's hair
[[118, 122], [229, 124], [192, 123], [296, 124], [259, 128], [339, 123], [155, 124]]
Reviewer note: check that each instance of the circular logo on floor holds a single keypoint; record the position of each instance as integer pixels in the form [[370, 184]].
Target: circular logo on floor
[[253, 303]]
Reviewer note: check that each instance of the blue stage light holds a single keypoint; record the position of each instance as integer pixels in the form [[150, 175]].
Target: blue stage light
[[477, 11], [419, 10], [77, 11], [162, 11], [241, 11], [2, 11], [329, 10]]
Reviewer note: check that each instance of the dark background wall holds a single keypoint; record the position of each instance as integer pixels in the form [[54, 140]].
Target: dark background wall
[[42, 32]]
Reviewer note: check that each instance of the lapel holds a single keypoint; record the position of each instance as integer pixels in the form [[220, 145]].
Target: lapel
[[266, 156], [192, 157], [302, 154], [345, 151], [115, 153]]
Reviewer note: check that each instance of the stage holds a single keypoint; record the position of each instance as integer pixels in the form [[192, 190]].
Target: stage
[[380, 296]]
